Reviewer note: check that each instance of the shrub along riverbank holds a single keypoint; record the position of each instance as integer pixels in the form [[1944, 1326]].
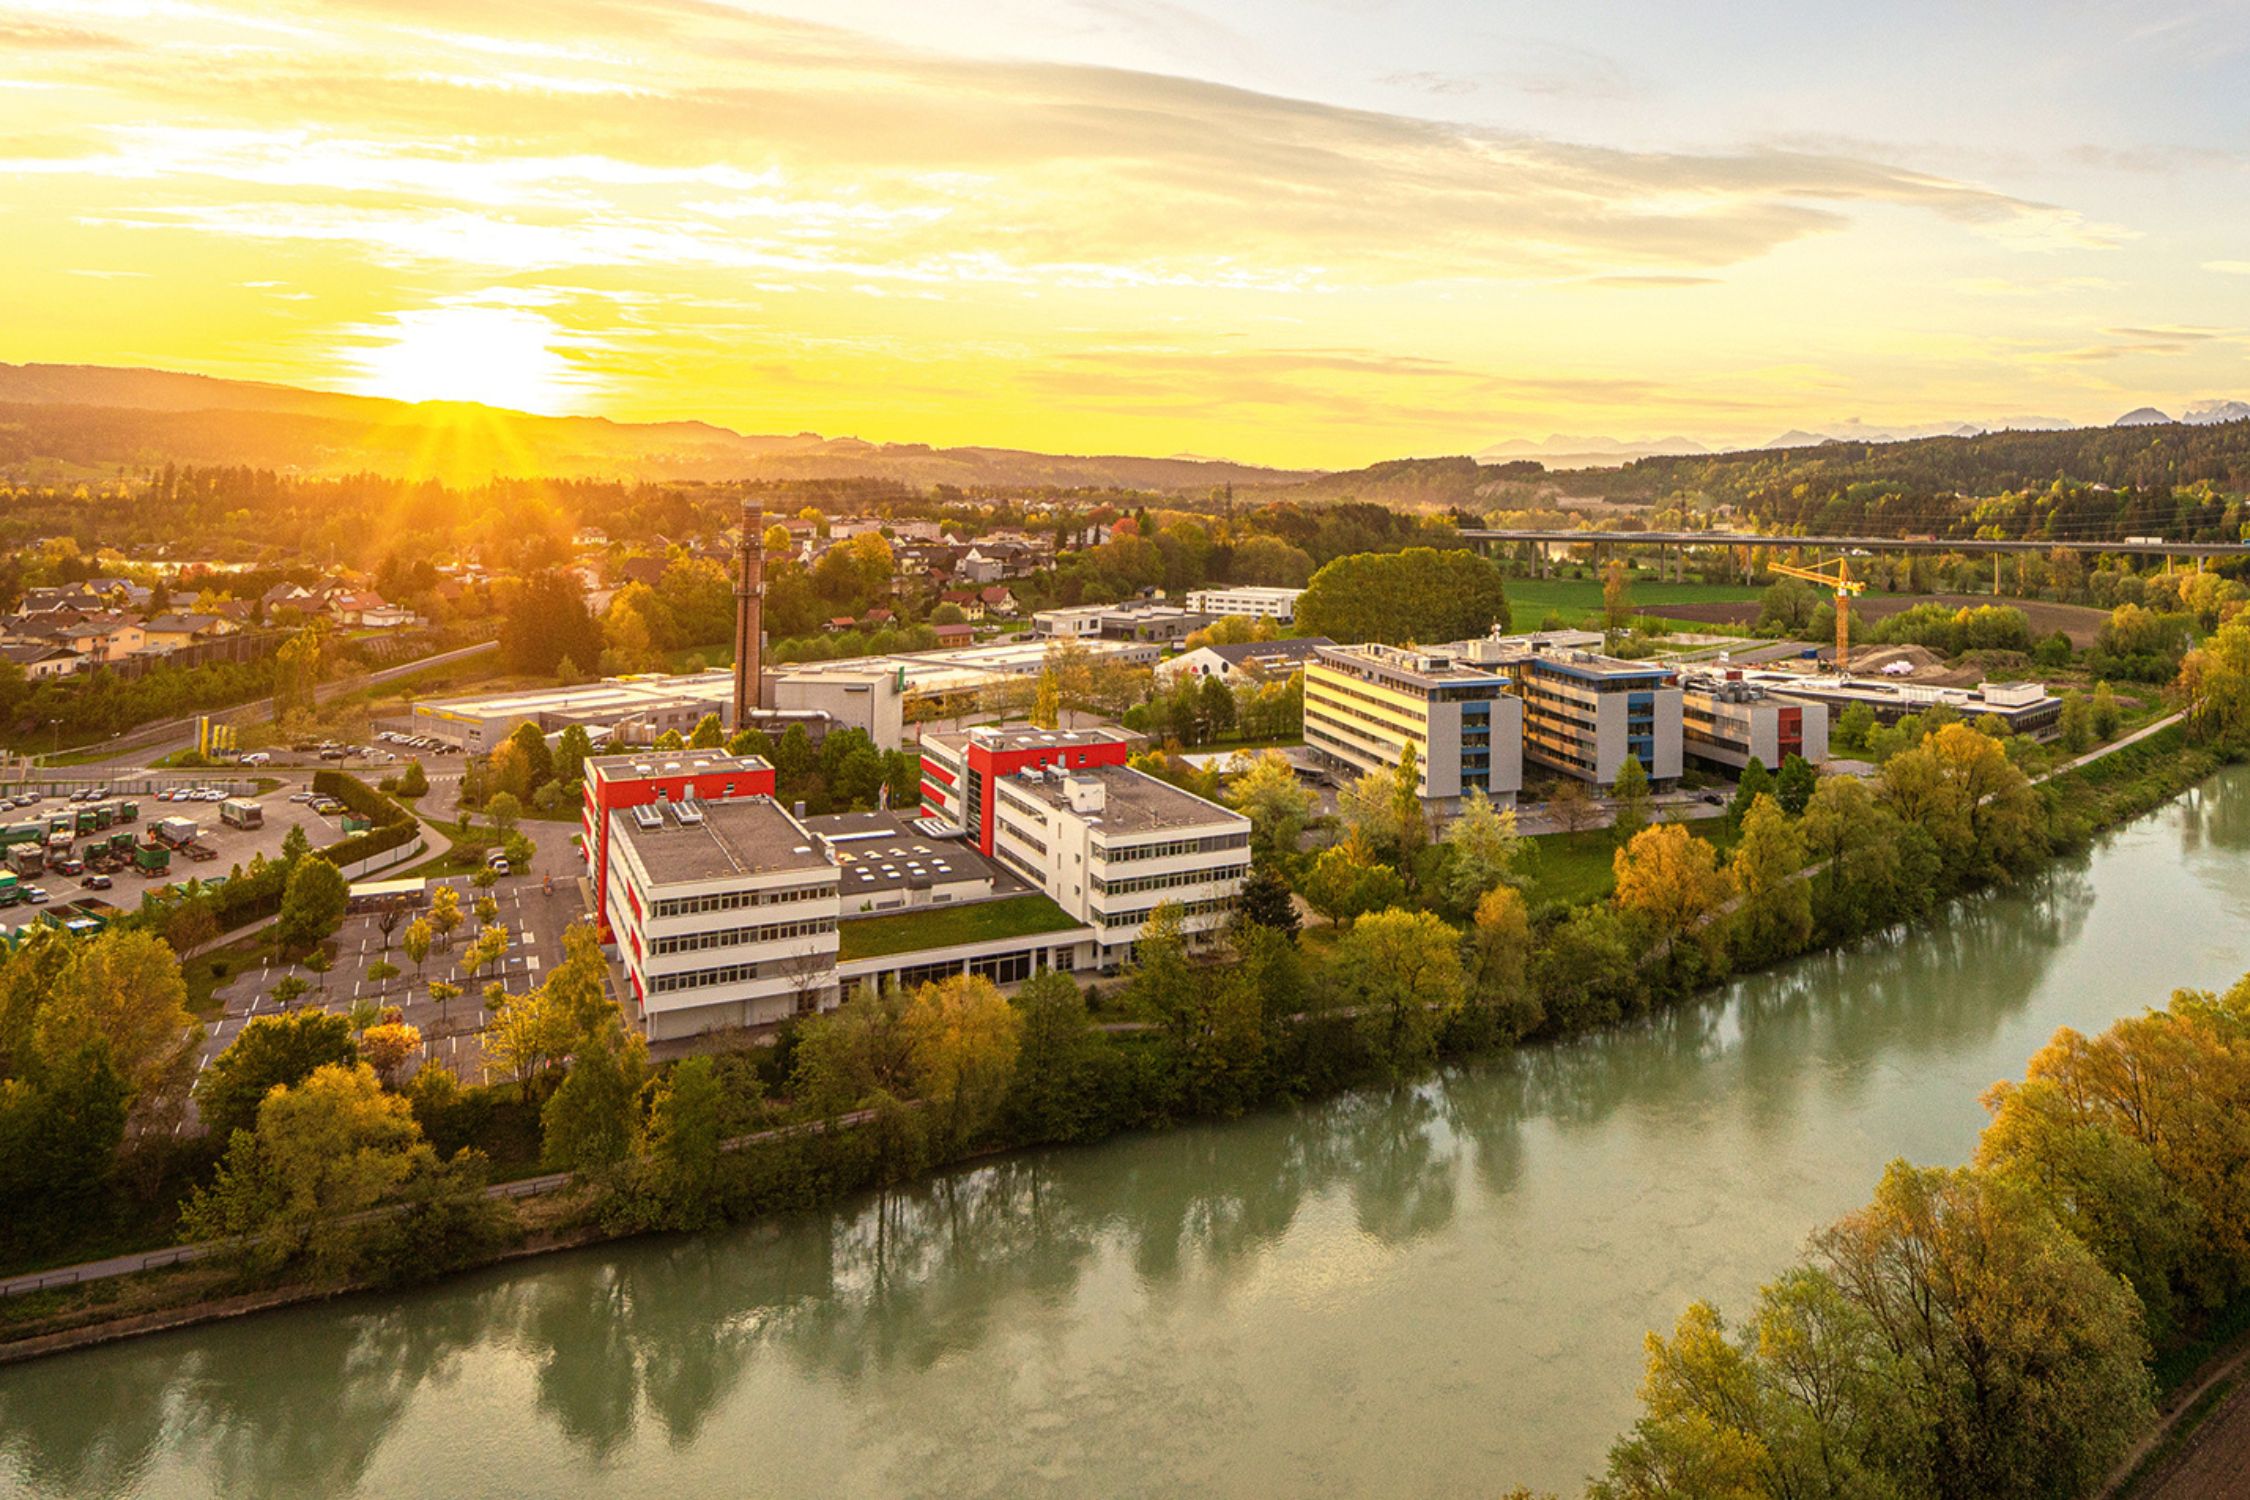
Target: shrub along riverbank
[[1432, 950]]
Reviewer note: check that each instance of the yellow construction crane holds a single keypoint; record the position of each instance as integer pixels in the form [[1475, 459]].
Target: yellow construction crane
[[1843, 585]]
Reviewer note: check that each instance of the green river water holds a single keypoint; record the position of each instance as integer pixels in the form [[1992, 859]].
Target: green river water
[[1439, 1291]]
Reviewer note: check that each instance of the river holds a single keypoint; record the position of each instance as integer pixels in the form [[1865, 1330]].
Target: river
[[1439, 1290]]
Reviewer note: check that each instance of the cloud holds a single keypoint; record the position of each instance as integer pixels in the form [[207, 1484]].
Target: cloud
[[2228, 267], [630, 134]]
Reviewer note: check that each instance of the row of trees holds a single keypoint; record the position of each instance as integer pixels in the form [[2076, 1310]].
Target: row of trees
[[1982, 1330]]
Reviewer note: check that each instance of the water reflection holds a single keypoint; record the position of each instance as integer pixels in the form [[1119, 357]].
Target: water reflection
[[1136, 1316]]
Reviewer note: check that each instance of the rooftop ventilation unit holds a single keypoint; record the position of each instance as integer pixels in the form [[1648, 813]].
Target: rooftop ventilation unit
[[648, 817], [688, 811]]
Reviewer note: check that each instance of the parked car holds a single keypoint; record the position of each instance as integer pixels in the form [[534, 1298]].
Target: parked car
[[71, 866], [35, 894], [300, 796], [99, 882], [257, 758], [500, 864]]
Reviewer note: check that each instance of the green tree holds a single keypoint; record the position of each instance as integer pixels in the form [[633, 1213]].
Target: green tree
[[573, 748], [505, 812], [1669, 883], [2075, 731], [1418, 594], [323, 1153], [1482, 850], [1629, 795], [2107, 715], [588, 1122], [709, 733], [1218, 708], [1346, 880], [1266, 901], [2214, 687], [1278, 805], [1500, 973], [538, 760], [268, 1053], [1793, 787], [1854, 725], [683, 1138], [1774, 916], [1617, 597], [416, 941], [413, 781], [1048, 1094], [1755, 782], [1401, 971], [312, 904]]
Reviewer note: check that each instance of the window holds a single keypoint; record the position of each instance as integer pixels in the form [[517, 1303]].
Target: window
[[734, 937], [688, 906]]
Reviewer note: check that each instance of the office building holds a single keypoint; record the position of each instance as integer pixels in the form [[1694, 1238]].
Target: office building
[[724, 913], [1365, 704], [1110, 844], [2024, 707], [621, 783], [1253, 601], [960, 767], [1726, 722]]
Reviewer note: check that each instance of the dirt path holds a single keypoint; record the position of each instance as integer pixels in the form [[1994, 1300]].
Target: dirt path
[[2214, 1462]]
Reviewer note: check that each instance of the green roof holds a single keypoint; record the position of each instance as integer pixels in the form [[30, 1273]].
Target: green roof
[[948, 926]]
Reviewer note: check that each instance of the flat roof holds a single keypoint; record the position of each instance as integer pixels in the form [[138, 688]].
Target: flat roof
[[951, 926], [742, 836], [1434, 668], [880, 851], [1031, 737], [1132, 801], [656, 763]]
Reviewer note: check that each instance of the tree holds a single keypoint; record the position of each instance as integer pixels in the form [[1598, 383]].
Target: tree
[[962, 1039], [1854, 725], [588, 1122], [444, 992], [1793, 787], [1218, 708], [1630, 796], [682, 1140], [288, 990], [2022, 1358], [1055, 1045], [505, 811], [1774, 916], [445, 913], [1571, 805], [538, 760], [323, 1153], [573, 748], [1401, 970], [545, 622], [528, 1032], [1755, 782], [2214, 687], [1347, 880], [1046, 700], [416, 941], [709, 733], [2075, 730], [1418, 594], [2107, 715], [750, 742], [387, 1046], [1278, 805], [319, 963], [1670, 884], [1482, 848], [1617, 597], [1500, 978], [125, 988], [1960, 788], [1266, 901], [312, 904]]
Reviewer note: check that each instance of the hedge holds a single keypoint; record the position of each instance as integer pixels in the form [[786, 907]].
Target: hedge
[[393, 824]]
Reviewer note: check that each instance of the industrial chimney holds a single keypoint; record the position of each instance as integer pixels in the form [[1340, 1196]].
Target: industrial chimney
[[749, 610]]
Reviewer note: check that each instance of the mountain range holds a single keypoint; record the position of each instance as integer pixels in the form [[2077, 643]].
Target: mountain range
[[71, 422]]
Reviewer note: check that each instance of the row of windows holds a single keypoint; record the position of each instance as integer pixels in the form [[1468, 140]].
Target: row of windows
[[1139, 914], [1000, 968], [1012, 831], [1018, 863], [1023, 804], [1176, 847], [697, 979], [688, 906], [735, 937], [1168, 882]]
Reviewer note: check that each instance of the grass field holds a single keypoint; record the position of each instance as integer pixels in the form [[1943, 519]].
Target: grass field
[[1574, 868], [1531, 600]]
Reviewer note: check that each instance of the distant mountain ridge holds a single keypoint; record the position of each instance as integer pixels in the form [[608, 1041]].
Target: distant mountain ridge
[[98, 418]]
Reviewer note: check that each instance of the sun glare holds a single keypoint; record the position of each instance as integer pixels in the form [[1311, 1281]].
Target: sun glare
[[501, 356]]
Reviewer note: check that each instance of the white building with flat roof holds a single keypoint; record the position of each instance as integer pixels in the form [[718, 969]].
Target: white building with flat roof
[[1254, 600]]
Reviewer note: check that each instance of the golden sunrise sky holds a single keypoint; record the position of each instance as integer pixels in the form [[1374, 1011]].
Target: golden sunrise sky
[[1316, 232]]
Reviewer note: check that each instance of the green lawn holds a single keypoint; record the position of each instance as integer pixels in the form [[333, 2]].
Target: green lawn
[[1575, 868], [945, 926], [1531, 599]]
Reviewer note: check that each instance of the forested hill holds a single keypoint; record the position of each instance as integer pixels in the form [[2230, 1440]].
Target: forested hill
[[2080, 481], [2153, 456], [73, 422]]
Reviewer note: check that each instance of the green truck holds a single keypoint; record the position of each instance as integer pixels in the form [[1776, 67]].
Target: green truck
[[23, 833], [128, 812], [86, 821], [105, 814], [11, 888], [151, 858]]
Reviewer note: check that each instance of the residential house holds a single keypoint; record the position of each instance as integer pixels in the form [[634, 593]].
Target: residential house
[[1254, 661], [173, 632], [41, 661], [997, 600], [970, 601]]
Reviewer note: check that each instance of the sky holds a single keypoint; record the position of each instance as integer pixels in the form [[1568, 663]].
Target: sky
[[1296, 232]]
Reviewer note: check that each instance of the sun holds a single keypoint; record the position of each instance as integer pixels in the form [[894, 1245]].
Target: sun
[[501, 356]]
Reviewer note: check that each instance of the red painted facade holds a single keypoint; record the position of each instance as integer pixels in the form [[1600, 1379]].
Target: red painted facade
[[616, 782], [987, 763]]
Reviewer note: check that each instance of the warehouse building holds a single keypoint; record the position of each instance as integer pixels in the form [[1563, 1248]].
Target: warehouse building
[[2025, 707]]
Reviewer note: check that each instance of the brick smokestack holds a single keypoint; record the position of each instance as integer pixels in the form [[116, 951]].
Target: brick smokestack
[[749, 611]]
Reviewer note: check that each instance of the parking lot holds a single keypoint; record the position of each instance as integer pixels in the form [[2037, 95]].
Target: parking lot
[[534, 916], [231, 846]]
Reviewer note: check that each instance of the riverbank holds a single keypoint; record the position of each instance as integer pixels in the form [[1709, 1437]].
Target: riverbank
[[1317, 1297], [2099, 794]]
